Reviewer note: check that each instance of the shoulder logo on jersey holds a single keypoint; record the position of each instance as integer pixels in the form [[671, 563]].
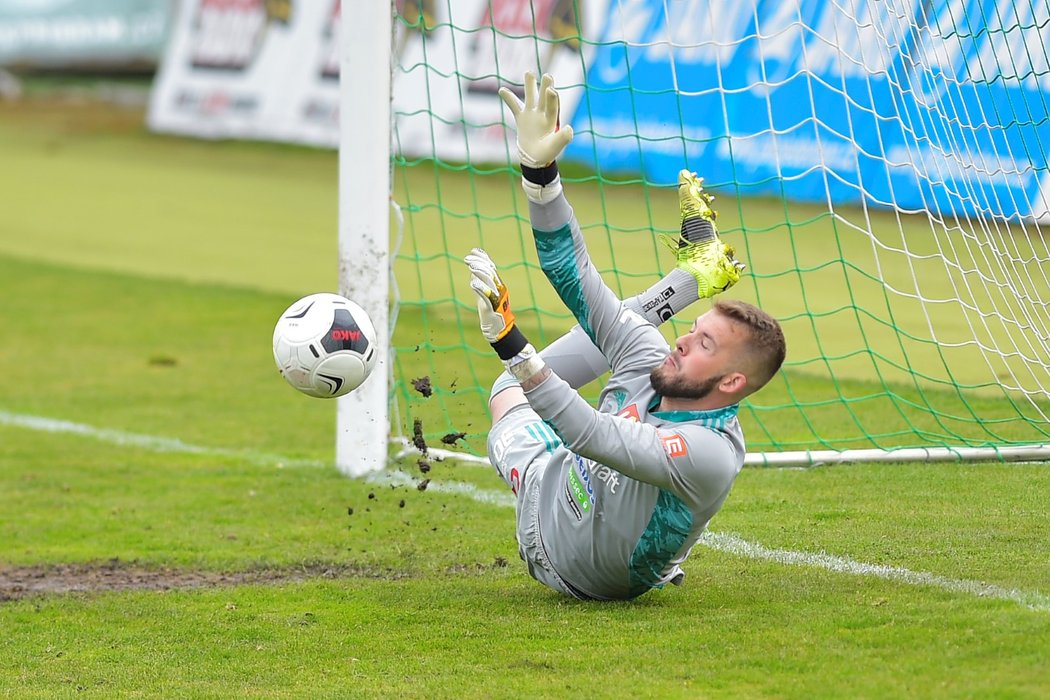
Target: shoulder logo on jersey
[[674, 445], [631, 413]]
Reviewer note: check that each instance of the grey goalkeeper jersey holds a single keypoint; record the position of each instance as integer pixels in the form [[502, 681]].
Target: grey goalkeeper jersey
[[629, 490]]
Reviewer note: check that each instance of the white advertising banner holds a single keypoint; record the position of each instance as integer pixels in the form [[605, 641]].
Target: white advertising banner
[[445, 89], [231, 67], [269, 70]]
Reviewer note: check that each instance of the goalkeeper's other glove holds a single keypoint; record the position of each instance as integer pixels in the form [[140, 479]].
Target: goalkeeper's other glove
[[541, 139], [497, 320]]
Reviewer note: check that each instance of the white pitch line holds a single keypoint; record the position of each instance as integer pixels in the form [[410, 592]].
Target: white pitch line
[[721, 542], [151, 443], [496, 498], [725, 542]]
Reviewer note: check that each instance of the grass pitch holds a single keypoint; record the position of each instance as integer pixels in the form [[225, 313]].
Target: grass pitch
[[144, 430]]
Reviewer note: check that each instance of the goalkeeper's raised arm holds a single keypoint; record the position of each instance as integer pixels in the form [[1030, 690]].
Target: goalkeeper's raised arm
[[705, 266], [560, 245], [540, 137]]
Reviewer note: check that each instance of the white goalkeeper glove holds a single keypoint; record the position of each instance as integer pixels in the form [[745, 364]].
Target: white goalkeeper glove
[[541, 139], [497, 320]]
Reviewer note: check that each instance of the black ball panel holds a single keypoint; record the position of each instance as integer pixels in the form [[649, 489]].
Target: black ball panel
[[345, 334]]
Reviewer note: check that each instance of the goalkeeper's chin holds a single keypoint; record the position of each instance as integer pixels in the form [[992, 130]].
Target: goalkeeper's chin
[[669, 382]]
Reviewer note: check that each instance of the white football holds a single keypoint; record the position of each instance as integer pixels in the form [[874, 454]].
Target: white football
[[325, 345]]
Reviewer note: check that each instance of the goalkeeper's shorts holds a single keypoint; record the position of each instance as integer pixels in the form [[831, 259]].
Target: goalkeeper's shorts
[[520, 445]]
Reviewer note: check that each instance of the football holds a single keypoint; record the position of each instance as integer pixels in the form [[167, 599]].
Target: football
[[325, 345]]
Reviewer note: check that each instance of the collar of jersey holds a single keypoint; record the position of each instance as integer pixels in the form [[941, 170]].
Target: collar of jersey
[[714, 416]]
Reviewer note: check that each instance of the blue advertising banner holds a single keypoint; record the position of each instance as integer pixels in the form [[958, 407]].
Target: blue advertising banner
[[935, 106], [83, 33]]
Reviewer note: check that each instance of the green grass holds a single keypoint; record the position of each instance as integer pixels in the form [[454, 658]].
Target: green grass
[[476, 635], [140, 290], [434, 614]]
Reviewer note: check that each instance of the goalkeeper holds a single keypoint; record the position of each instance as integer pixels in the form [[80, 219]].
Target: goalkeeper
[[611, 501]]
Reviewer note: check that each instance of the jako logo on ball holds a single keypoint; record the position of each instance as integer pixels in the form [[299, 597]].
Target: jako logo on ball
[[340, 334], [325, 345]]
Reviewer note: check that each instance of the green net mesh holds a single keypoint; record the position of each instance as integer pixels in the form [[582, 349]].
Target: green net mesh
[[902, 252]]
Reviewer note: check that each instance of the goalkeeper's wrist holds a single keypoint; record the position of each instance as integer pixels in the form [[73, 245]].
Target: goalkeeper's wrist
[[542, 175], [510, 344], [525, 365], [543, 184]]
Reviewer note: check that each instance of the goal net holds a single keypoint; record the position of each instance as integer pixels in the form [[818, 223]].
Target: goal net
[[881, 168]]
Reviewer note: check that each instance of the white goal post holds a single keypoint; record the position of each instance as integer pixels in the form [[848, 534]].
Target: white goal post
[[362, 416]]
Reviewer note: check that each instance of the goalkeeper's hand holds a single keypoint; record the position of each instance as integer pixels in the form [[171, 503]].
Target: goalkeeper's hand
[[493, 299], [497, 320], [540, 140]]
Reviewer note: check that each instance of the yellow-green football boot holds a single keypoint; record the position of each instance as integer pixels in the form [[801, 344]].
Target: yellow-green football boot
[[698, 250]]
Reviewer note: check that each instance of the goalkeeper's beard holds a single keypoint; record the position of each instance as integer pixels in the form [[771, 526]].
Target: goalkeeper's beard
[[675, 386]]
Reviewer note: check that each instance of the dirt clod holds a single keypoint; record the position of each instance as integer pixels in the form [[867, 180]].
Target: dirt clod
[[451, 438], [423, 386], [418, 441]]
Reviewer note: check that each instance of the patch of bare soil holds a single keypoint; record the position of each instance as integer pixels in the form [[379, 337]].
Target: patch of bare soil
[[17, 582]]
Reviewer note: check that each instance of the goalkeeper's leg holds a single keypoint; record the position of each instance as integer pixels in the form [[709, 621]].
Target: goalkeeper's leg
[[704, 266], [578, 361], [698, 272]]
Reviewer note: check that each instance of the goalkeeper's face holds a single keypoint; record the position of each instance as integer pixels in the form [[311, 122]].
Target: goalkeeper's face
[[705, 362]]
